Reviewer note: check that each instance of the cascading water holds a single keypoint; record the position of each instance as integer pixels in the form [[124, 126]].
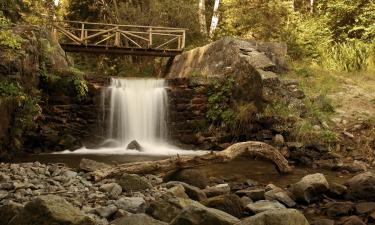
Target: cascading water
[[137, 111]]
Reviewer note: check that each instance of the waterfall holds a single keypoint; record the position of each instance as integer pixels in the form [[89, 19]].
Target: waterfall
[[137, 110]]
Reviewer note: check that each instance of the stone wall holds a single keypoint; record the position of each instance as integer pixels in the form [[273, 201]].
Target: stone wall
[[187, 111]]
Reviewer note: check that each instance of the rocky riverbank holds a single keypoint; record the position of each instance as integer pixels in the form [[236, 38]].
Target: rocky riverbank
[[35, 193]]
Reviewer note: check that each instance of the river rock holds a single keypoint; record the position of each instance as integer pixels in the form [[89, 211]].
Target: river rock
[[107, 211], [8, 211], [220, 189], [280, 195], [199, 215], [134, 145], [337, 190], [193, 177], [113, 189], [276, 217], [338, 209], [361, 187], [193, 192], [309, 188], [89, 165], [178, 191], [323, 222], [254, 194], [264, 205], [352, 220], [365, 208], [137, 219], [132, 204], [229, 203], [166, 208], [48, 210], [133, 182]]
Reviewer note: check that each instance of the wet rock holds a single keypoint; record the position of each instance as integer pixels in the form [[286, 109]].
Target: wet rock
[[361, 187], [337, 190], [193, 177], [132, 204], [3, 194], [50, 209], [137, 219], [220, 189], [281, 196], [134, 145], [107, 211], [338, 209], [353, 220], [245, 201], [8, 211], [133, 182], [89, 165], [113, 190], [166, 208], [276, 217], [323, 222], [254, 194], [354, 167], [264, 205], [309, 188], [178, 191], [193, 192], [199, 215], [229, 203], [365, 208]]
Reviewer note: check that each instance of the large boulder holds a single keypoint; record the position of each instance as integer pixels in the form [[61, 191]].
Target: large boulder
[[309, 188], [8, 211], [193, 192], [264, 205], [361, 187], [137, 219], [193, 177], [133, 182], [167, 207], [200, 215], [276, 217], [132, 204], [50, 210], [229, 203]]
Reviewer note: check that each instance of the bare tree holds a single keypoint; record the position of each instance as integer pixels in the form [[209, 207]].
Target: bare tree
[[215, 18], [202, 16]]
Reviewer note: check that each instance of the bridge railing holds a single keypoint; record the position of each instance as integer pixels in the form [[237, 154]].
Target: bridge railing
[[121, 36]]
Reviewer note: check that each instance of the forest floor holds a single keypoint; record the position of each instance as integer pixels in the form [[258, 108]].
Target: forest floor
[[352, 96]]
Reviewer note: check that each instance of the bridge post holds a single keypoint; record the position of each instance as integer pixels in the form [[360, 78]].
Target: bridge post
[[82, 32], [117, 38], [150, 38]]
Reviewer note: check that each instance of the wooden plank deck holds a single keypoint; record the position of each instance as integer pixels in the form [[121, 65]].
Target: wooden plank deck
[[100, 38]]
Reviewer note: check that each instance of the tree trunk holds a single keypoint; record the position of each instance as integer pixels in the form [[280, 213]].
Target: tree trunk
[[215, 18], [161, 167], [202, 17]]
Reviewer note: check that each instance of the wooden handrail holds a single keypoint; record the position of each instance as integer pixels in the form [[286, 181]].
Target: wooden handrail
[[118, 35]]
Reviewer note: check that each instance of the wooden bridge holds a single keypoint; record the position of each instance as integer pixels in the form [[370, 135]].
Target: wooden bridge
[[101, 38]]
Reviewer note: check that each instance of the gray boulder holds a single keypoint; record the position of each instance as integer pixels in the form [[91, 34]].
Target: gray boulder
[[50, 210], [220, 189], [134, 145], [276, 217], [8, 211], [113, 189], [132, 204], [280, 195], [133, 182], [361, 187], [264, 205], [309, 188], [200, 215], [193, 192], [137, 219], [229, 203]]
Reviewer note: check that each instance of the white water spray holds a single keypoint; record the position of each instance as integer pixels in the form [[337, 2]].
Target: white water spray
[[137, 111]]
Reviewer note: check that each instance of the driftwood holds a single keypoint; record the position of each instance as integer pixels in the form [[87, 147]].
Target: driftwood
[[249, 149]]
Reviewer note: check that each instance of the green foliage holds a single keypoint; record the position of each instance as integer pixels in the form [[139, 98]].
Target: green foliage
[[7, 38], [26, 111], [349, 56], [220, 102], [80, 88]]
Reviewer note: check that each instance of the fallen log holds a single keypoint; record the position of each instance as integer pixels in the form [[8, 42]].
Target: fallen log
[[244, 149]]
